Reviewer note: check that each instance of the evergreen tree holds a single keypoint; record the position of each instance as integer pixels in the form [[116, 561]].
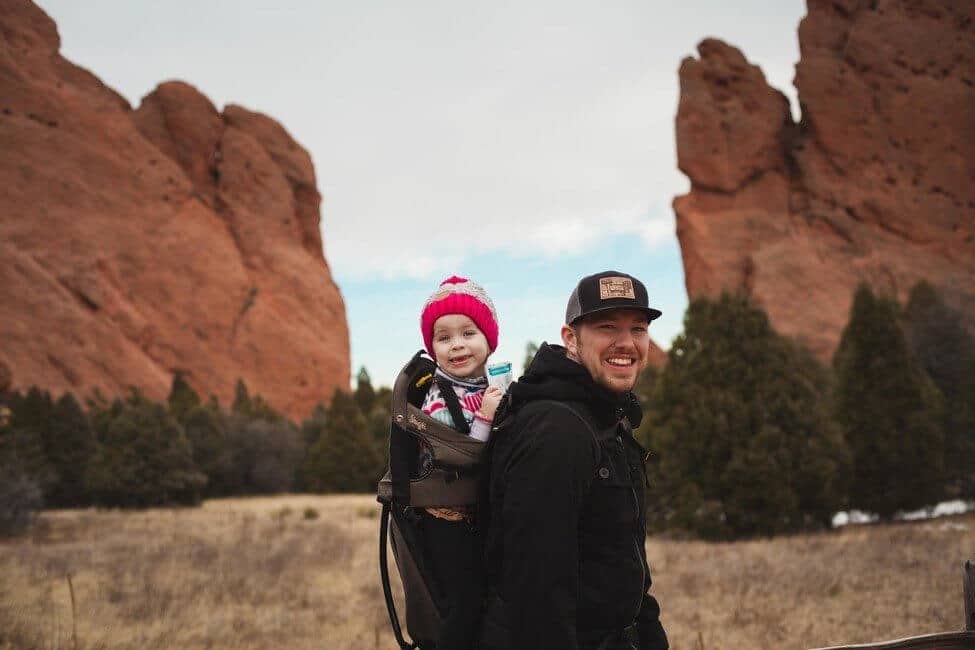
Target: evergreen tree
[[344, 458], [364, 394], [253, 407], [889, 411], [378, 424], [143, 459], [261, 409], [311, 430], [20, 494], [740, 421], [206, 431], [182, 397], [22, 441], [20, 498], [68, 443], [242, 400], [530, 349], [101, 412], [643, 391], [34, 410], [946, 352], [380, 417]]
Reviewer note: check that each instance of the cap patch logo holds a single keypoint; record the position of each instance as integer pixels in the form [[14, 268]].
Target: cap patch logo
[[616, 287]]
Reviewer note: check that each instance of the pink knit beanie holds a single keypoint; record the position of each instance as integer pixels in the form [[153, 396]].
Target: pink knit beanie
[[458, 295]]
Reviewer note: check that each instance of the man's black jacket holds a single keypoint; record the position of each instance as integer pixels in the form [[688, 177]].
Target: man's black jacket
[[566, 519]]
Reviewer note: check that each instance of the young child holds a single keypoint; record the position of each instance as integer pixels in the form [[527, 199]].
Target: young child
[[460, 329]]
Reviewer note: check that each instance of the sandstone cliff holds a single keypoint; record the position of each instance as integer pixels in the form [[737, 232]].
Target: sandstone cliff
[[657, 357], [135, 243], [876, 182]]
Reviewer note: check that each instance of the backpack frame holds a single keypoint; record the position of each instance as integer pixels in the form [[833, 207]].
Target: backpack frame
[[450, 479]]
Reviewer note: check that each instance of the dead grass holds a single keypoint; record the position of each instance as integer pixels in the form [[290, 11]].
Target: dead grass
[[855, 585], [264, 573]]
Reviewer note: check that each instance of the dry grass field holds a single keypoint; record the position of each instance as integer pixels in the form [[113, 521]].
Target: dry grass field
[[269, 573]]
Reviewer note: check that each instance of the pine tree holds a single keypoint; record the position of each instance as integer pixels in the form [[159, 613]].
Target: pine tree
[[101, 412], [946, 352], [643, 391], [253, 407], [34, 410], [739, 420], [182, 397], [531, 348], [380, 418], [22, 441], [143, 459], [242, 400], [889, 411], [69, 444], [20, 494], [311, 430], [364, 394], [344, 458], [20, 498], [206, 431]]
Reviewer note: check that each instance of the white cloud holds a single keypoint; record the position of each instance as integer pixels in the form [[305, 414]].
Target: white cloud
[[441, 131], [557, 238], [656, 231], [444, 131]]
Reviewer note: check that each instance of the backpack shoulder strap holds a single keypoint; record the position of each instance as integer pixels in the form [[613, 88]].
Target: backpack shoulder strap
[[579, 416], [453, 405], [507, 411]]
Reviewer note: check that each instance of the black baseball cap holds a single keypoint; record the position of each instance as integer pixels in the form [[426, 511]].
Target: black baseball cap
[[605, 291]]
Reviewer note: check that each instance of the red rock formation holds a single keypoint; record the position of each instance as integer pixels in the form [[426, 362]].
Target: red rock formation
[[5, 378], [876, 183], [173, 237], [657, 357]]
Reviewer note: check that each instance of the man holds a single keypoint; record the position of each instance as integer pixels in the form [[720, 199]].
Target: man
[[566, 519]]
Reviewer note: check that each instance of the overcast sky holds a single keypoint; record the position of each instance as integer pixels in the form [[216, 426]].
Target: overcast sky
[[523, 144]]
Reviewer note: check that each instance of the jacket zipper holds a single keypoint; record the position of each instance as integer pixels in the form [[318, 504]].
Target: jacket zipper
[[636, 544], [636, 512]]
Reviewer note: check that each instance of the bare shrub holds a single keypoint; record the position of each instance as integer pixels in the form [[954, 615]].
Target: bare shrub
[[263, 456]]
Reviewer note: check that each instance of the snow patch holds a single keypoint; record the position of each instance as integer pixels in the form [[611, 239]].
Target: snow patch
[[943, 509]]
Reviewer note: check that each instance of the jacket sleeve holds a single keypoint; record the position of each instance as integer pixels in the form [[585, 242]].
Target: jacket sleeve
[[651, 632], [548, 471]]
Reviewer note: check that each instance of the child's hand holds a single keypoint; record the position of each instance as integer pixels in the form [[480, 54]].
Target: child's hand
[[492, 397]]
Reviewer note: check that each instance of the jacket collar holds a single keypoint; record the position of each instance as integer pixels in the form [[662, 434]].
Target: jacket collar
[[552, 375]]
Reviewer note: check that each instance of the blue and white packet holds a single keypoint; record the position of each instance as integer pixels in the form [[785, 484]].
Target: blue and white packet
[[499, 375]]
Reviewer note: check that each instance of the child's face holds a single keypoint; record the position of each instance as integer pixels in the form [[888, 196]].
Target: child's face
[[459, 346]]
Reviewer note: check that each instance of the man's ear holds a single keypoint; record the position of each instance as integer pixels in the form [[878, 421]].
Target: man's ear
[[570, 339]]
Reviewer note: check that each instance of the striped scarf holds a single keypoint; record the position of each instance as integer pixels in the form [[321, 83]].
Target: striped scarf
[[470, 394]]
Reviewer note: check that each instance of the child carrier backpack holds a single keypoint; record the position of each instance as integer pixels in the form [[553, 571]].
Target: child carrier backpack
[[448, 477]]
